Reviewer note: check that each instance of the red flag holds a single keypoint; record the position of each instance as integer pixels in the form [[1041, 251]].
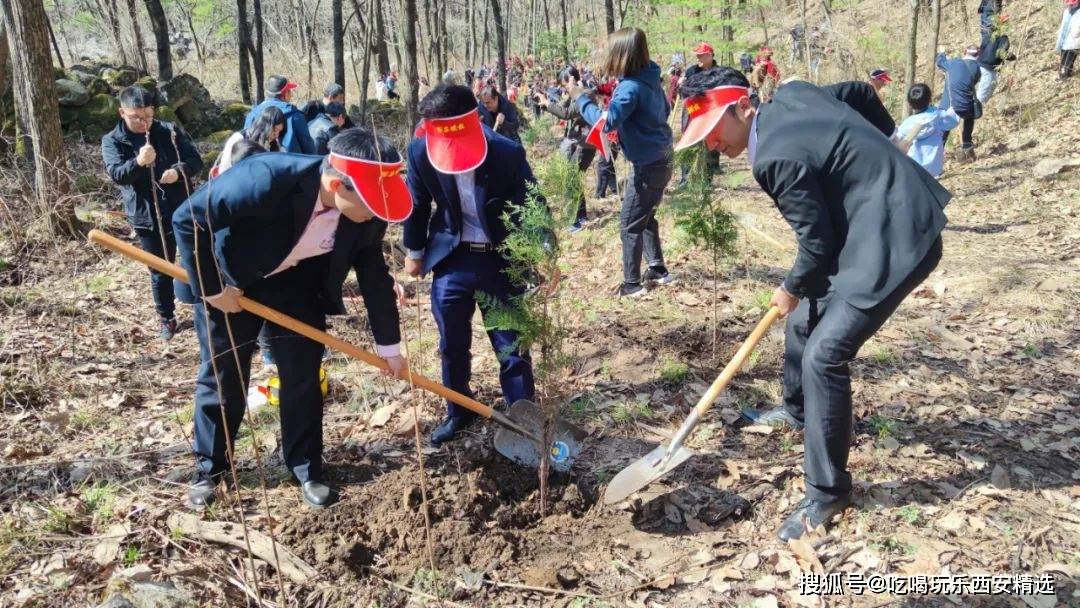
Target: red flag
[[596, 137]]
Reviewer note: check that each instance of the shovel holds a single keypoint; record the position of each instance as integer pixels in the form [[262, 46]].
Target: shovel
[[519, 437], [658, 462]]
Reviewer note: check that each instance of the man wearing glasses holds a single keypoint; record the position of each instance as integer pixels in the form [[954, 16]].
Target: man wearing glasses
[[153, 162]]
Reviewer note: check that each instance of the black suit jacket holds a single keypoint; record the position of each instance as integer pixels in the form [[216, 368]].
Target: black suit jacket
[[863, 212], [257, 211]]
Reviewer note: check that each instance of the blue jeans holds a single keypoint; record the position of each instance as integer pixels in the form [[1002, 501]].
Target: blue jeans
[[457, 281]]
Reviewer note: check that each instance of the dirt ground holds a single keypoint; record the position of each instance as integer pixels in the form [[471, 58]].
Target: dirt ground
[[966, 453]]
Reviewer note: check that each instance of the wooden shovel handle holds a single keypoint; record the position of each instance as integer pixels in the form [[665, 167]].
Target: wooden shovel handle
[[732, 368], [178, 273]]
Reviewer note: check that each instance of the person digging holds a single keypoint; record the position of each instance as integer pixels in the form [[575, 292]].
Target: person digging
[[868, 224], [281, 229]]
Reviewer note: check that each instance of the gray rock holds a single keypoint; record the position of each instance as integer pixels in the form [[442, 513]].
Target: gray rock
[[192, 104], [71, 93], [1050, 167], [122, 77], [148, 595]]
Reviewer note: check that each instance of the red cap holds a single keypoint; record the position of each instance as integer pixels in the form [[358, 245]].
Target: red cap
[[456, 144], [596, 138], [379, 185], [706, 110], [703, 48], [881, 74]]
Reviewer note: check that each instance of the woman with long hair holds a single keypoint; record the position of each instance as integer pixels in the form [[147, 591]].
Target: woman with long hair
[[638, 111], [265, 132]]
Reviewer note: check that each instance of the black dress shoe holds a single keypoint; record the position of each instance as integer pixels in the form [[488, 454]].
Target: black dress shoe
[[316, 494], [203, 492], [448, 429], [777, 416], [810, 513]]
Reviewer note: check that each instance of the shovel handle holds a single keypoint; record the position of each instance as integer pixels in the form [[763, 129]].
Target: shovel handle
[[737, 361], [265, 312]]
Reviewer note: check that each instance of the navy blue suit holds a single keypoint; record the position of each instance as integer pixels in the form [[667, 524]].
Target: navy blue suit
[[256, 213], [461, 273]]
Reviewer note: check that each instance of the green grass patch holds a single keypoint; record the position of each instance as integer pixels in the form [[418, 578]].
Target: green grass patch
[[673, 372], [883, 426], [99, 500]]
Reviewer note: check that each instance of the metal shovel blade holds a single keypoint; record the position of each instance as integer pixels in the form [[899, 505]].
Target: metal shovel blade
[[644, 471], [525, 451]]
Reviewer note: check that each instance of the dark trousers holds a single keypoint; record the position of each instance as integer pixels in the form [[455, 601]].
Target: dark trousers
[[457, 281], [821, 338], [605, 174], [583, 157], [1068, 60], [161, 285], [639, 230], [967, 128], [291, 292]]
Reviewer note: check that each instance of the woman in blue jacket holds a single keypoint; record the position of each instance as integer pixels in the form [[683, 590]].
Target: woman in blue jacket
[[639, 112]]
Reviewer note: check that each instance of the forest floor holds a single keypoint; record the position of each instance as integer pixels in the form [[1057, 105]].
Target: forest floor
[[966, 451]]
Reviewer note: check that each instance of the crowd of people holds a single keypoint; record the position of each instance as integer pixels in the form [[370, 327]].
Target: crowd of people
[[300, 196]]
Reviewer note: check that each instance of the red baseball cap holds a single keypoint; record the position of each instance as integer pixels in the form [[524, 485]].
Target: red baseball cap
[[706, 110], [455, 144], [379, 185], [703, 48]]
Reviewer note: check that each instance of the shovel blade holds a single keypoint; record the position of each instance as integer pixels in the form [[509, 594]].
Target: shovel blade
[[644, 471], [565, 447]]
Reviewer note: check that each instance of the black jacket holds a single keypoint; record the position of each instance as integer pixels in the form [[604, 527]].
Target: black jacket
[[119, 148], [322, 130], [315, 107], [995, 51], [864, 213], [511, 121], [257, 211]]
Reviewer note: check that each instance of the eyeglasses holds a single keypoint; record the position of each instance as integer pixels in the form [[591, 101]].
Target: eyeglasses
[[139, 117]]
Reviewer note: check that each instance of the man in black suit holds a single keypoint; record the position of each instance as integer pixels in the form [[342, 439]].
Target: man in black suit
[[284, 229], [868, 221]]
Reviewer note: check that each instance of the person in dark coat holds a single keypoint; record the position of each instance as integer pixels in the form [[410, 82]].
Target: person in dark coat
[[868, 223], [333, 93], [499, 114], [325, 126], [284, 230], [473, 175], [988, 9], [573, 145], [961, 79], [993, 52], [154, 164]]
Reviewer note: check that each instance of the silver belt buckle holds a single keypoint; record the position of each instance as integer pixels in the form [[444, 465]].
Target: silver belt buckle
[[478, 247]]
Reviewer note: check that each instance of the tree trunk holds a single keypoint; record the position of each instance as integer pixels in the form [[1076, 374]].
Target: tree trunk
[[242, 42], [565, 35], [380, 39], [339, 42], [114, 27], [913, 48], [935, 21], [28, 35], [369, 34], [727, 32], [55, 46], [609, 15], [140, 46], [257, 56], [500, 43], [484, 43], [160, 25], [412, 76]]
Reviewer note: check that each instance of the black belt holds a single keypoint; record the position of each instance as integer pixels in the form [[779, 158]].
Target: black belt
[[478, 247]]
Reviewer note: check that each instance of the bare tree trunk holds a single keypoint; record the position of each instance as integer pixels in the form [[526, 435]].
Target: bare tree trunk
[[55, 46], [412, 74], [140, 46], [339, 42], [114, 27], [913, 48], [500, 43], [32, 66], [367, 57], [200, 55], [565, 34], [727, 32], [257, 56], [242, 50], [160, 25], [935, 21], [380, 39], [609, 15], [484, 44]]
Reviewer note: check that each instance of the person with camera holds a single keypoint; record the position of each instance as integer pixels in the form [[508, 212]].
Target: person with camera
[[573, 145]]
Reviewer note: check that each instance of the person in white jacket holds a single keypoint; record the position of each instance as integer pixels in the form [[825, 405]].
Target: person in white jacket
[[1068, 40], [923, 130]]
